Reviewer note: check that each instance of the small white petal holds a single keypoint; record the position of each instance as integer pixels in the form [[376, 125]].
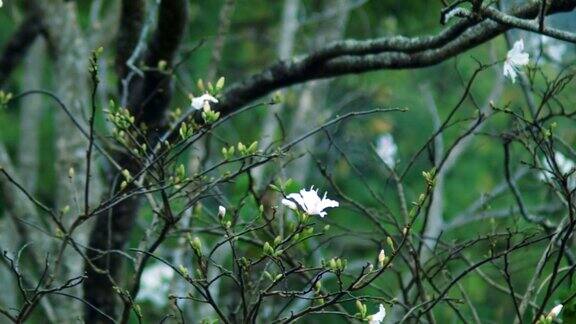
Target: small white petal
[[510, 72], [289, 203], [556, 311], [378, 317], [198, 103], [298, 198], [515, 58]]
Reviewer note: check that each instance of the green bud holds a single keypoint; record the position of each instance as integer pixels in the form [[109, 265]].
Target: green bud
[[277, 240], [390, 243], [267, 249], [220, 83], [196, 244], [183, 270]]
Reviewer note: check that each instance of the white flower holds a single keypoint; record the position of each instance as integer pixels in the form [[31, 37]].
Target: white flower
[[515, 58], [289, 203], [387, 149], [199, 102], [221, 211], [555, 311], [378, 317], [1, 3], [155, 283], [565, 166], [310, 202]]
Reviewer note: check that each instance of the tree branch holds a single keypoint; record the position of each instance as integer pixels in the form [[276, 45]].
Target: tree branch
[[352, 56], [15, 49]]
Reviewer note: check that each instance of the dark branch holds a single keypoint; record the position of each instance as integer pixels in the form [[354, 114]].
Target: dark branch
[[132, 18], [352, 56], [15, 50]]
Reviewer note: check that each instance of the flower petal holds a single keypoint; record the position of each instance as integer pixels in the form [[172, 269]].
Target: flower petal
[[289, 203]]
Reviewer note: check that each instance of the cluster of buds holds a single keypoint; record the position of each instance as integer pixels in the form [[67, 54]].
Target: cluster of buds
[[178, 177], [228, 152], [273, 277], [127, 178], [429, 176], [93, 61], [211, 88], [186, 130], [337, 265], [244, 150], [208, 115], [245, 263], [120, 117], [195, 244], [273, 251], [175, 114], [241, 149], [184, 271], [300, 231], [362, 310]]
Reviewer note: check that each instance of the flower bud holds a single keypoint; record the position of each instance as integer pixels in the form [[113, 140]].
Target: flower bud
[[390, 243], [267, 249], [221, 211], [381, 258], [554, 312], [196, 244]]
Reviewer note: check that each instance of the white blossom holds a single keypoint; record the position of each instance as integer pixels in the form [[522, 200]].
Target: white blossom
[[386, 149], [565, 166], [554, 312], [199, 102], [155, 283], [310, 202], [289, 203], [515, 58], [378, 317], [221, 211]]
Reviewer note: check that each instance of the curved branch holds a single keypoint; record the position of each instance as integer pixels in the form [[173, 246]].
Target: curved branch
[[352, 56]]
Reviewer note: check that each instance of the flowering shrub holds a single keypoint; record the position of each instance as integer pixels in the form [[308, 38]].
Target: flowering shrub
[[202, 202]]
